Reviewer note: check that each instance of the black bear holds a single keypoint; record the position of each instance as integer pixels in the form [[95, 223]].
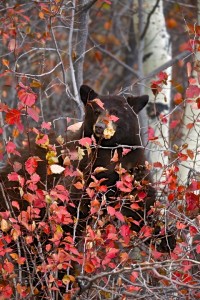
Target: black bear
[[113, 122]]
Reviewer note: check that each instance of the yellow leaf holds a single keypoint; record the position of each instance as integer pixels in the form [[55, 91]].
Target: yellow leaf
[[41, 15], [115, 157], [36, 84], [28, 30], [67, 279], [60, 140], [99, 170], [48, 199], [15, 132], [5, 62], [14, 256], [42, 140], [51, 157], [59, 229], [108, 132], [15, 234], [66, 161], [80, 153], [5, 226]]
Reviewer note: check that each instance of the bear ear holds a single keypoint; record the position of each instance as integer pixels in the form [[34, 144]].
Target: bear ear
[[138, 103], [87, 93]]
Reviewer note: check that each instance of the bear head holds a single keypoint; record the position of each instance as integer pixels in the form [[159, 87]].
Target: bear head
[[112, 120]]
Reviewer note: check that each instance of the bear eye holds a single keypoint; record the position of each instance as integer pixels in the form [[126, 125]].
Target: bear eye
[[97, 112]]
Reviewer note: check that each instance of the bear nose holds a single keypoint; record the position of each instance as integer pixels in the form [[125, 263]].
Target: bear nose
[[99, 128]]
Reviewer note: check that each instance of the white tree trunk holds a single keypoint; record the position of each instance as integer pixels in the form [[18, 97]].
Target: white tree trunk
[[156, 51]]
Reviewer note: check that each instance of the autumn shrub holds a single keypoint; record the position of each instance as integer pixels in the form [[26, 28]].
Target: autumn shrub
[[49, 250]]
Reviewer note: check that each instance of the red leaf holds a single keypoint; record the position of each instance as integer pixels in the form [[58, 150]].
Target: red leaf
[[198, 249], [190, 125], [8, 267], [124, 186], [125, 232], [31, 165], [156, 254], [21, 260], [151, 134], [125, 151], [111, 210], [11, 148], [142, 195], [98, 102], [35, 178], [46, 125], [13, 176], [4, 107], [146, 231], [157, 165], [112, 253], [180, 225], [135, 206], [13, 116], [119, 216], [89, 267], [33, 113], [192, 201], [192, 91], [178, 98], [194, 186], [156, 89], [113, 118], [60, 192], [78, 185], [193, 230], [15, 204], [28, 98], [198, 102], [134, 275], [182, 157], [163, 76], [85, 141], [12, 44], [174, 123]]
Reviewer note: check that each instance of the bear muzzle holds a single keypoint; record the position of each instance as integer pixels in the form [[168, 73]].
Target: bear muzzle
[[104, 130], [99, 129]]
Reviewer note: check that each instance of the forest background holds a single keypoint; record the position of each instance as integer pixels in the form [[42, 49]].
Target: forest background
[[48, 49]]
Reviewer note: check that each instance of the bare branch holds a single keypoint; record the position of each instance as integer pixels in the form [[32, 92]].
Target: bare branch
[[115, 58], [57, 51], [148, 20], [168, 64]]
